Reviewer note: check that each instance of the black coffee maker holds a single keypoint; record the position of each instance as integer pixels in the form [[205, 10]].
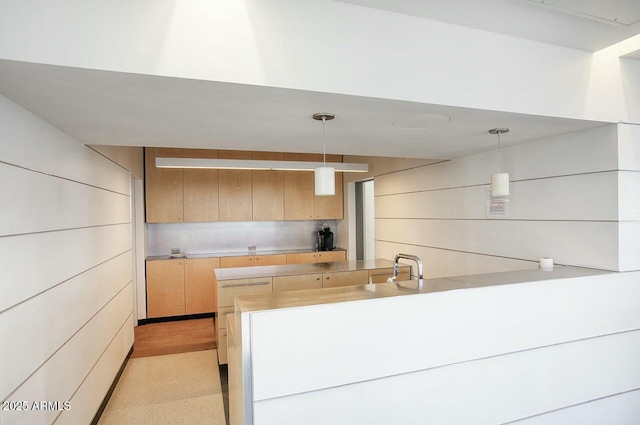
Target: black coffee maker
[[325, 239]]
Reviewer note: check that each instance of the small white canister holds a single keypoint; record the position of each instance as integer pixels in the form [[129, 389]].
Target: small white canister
[[546, 263]]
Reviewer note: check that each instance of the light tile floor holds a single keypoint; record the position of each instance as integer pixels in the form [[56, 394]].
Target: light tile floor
[[173, 389]]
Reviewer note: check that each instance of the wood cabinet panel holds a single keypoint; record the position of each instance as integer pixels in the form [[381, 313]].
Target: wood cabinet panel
[[229, 289], [200, 285], [318, 157], [270, 260], [253, 260], [332, 280], [234, 190], [267, 195], [235, 197], [163, 188], [299, 195], [165, 288], [301, 258], [330, 256], [294, 283], [239, 261], [200, 189]]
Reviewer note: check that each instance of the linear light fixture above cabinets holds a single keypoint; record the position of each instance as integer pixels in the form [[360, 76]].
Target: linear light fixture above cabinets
[[242, 164]]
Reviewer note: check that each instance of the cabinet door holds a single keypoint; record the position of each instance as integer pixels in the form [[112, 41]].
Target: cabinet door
[[270, 260], [200, 285], [165, 288], [200, 189], [268, 189], [330, 207], [268, 195], [358, 277], [294, 283], [298, 190], [229, 289], [240, 261], [301, 258], [234, 190], [163, 188], [331, 256], [298, 195]]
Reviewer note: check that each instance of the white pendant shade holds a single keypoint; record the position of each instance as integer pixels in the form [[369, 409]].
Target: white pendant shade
[[500, 184], [325, 181]]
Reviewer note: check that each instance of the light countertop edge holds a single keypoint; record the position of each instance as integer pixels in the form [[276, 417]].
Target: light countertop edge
[[291, 299]]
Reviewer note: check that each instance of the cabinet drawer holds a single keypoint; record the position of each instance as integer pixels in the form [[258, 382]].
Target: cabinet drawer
[[331, 256], [301, 258], [221, 317], [381, 275], [253, 260], [229, 289], [331, 280], [239, 261], [270, 260], [294, 283]]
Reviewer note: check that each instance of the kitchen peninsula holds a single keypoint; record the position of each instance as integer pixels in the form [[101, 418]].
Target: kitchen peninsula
[[241, 281], [498, 348]]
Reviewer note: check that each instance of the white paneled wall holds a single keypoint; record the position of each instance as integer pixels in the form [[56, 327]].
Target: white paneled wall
[[544, 352], [629, 196], [65, 270], [564, 204]]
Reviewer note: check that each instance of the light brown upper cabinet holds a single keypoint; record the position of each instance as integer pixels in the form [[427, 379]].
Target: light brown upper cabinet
[[234, 191], [267, 189], [299, 189], [200, 188], [330, 207], [163, 187], [201, 195]]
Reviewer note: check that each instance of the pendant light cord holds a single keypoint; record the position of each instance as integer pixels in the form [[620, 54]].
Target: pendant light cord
[[499, 153], [324, 145]]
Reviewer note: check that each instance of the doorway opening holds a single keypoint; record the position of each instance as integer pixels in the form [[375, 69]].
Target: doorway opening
[[365, 236]]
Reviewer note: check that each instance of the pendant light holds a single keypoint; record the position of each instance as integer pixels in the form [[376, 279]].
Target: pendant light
[[499, 181], [325, 177]]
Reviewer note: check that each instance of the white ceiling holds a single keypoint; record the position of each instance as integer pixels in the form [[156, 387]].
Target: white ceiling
[[540, 20], [110, 108]]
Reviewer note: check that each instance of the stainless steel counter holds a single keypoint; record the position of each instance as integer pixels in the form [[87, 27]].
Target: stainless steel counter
[[298, 269], [278, 300]]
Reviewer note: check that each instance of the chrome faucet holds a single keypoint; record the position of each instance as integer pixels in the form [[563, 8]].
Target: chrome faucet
[[408, 257]]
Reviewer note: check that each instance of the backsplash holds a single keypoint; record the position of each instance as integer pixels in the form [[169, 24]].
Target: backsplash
[[213, 237]]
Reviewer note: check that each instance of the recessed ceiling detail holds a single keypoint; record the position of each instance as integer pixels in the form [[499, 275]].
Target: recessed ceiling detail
[[421, 121]]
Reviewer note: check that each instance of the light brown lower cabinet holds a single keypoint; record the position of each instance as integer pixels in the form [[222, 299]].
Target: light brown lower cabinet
[[165, 288], [253, 260], [316, 257], [356, 277], [200, 285], [179, 287], [331, 256]]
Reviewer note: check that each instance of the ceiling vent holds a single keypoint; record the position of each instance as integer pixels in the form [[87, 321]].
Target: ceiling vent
[[621, 13]]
